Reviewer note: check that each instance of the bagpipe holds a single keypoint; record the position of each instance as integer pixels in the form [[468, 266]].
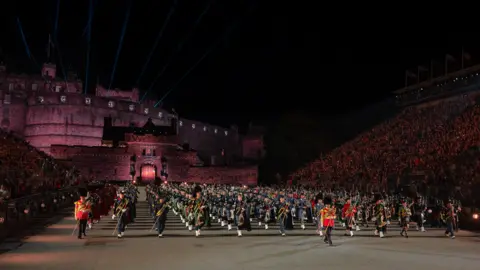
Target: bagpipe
[[199, 213], [380, 216], [240, 214]]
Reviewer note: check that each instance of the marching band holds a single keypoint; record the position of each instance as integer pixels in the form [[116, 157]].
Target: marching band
[[241, 206]]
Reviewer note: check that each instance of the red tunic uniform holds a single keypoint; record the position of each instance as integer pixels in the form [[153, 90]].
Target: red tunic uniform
[[348, 210], [328, 216], [81, 210]]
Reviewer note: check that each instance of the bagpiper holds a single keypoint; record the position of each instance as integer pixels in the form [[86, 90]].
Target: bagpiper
[[161, 210], [241, 217], [348, 215], [404, 214], [380, 217], [82, 211], [199, 211]]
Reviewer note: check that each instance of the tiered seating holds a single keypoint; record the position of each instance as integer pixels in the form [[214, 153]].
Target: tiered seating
[[24, 167], [428, 138]]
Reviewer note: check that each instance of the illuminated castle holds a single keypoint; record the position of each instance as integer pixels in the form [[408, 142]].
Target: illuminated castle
[[55, 117]]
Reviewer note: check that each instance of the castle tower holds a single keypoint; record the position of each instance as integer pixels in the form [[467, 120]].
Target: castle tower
[[49, 70]]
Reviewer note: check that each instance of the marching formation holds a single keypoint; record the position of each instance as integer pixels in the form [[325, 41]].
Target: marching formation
[[97, 203], [240, 208]]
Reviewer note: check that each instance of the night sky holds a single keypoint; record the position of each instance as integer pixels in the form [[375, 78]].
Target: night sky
[[264, 58]]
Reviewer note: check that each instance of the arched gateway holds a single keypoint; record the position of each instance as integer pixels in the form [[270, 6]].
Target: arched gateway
[[148, 172]]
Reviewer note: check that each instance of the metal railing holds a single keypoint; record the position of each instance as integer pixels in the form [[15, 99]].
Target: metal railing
[[18, 214]]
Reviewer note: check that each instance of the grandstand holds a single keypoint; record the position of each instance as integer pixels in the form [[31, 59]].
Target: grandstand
[[433, 143], [24, 169]]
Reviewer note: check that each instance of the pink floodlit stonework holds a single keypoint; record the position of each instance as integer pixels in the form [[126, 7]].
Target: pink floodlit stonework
[[57, 118]]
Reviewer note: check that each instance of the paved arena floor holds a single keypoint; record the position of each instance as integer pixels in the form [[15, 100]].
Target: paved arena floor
[[56, 248]]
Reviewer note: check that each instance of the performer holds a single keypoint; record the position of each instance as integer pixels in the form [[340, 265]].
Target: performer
[[348, 214], [199, 211], [282, 214], [449, 214], [161, 210], [318, 214], [327, 219], [302, 210], [82, 211], [404, 214], [121, 211], [419, 212], [241, 217], [380, 217]]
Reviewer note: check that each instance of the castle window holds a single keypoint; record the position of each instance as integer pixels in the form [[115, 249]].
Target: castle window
[[226, 132], [34, 87], [41, 99], [88, 101], [204, 128], [181, 123], [58, 88], [216, 130], [63, 99], [193, 126], [111, 104], [131, 107], [145, 110], [160, 114]]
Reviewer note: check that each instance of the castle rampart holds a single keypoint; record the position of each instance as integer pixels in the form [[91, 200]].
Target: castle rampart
[[54, 116]]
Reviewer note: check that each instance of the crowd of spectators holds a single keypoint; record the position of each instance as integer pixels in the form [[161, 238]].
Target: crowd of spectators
[[24, 170], [429, 138]]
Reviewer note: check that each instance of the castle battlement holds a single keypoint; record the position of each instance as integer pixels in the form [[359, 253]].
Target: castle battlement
[[132, 95], [47, 110], [116, 106]]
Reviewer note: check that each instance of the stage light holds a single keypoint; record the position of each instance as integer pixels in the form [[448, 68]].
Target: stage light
[[475, 216]]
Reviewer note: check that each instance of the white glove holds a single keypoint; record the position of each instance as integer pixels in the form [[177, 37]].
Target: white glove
[[113, 216], [124, 210]]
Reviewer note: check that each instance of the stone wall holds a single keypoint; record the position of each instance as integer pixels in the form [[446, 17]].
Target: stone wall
[[114, 164], [73, 119]]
